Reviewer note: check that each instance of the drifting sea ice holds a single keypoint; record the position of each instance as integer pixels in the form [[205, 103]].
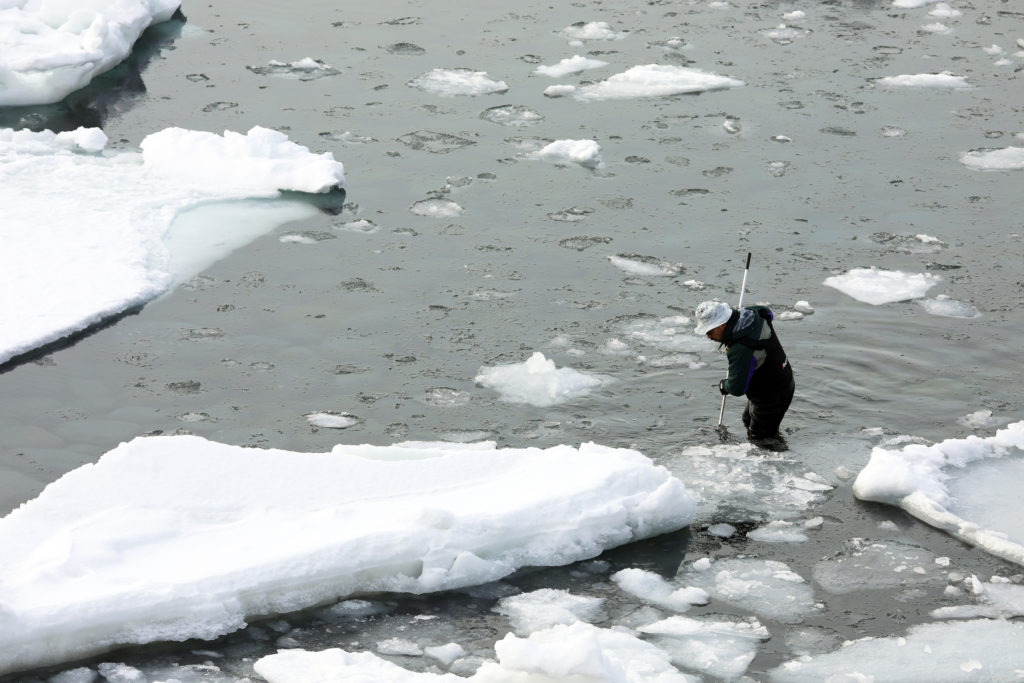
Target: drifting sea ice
[[538, 382], [875, 286], [946, 307], [864, 565], [570, 65], [129, 212], [547, 607], [944, 652], [650, 80], [715, 647], [1005, 159], [452, 82], [654, 589], [575, 652], [961, 486], [586, 153], [105, 555], [940, 80], [53, 49], [767, 588]]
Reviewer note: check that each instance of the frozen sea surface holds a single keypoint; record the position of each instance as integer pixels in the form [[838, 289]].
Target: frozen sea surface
[[458, 249]]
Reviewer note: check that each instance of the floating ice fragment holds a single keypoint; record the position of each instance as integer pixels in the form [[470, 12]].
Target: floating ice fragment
[[399, 646], [586, 153], [307, 69], [51, 49], [783, 34], [1006, 159], [928, 652], [946, 307], [515, 115], [437, 208], [722, 530], [718, 648], [446, 654], [451, 82], [570, 65], [937, 28], [779, 531], [332, 420], [977, 419], [911, 4], [767, 588], [941, 80], [637, 264], [875, 286], [651, 80], [538, 382], [921, 480], [795, 15], [592, 30], [547, 607], [944, 11], [654, 589], [863, 565]]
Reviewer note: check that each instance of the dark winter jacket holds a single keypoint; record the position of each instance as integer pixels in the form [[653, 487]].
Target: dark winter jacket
[[757, 364]]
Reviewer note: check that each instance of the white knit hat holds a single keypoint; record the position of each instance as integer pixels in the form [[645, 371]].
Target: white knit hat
[[711, 314]]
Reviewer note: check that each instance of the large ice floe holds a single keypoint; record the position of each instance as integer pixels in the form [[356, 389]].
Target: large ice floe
[[1005, 159], [171, 538], [959, 485], [127, 212], [51, 49]]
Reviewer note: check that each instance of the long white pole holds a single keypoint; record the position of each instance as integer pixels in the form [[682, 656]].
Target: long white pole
[[743, 288]]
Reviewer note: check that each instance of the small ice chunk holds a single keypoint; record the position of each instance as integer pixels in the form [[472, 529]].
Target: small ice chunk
[[722, 530], [586, 153], [654, 589], [446, 654], [651, 80], [779, 531], [399, 646], [538, 382], [332, 420], [547, 607], [452, 82], [768, 588], [571, 65], [946, 307], [591, 30], [437, 208], [941, 80], [1005, 159], [977, 419]]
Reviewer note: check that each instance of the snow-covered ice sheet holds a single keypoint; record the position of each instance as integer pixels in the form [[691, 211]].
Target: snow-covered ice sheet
[[109, 218], [51, 49], [107, 555], [952, 486]]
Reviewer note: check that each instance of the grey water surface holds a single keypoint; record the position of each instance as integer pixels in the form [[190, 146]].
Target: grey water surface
[[388, 315]]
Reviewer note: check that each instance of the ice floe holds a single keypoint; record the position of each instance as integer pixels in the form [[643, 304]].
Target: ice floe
[[768, 588], [538, 381], [106, 555], [954, 486], [940, 80], [650, 80], [947, 652], [451, 82], [876, 286], [569, 65], [586, 153], [53, 49], [719, 648], [129, 212], [1005, 159]]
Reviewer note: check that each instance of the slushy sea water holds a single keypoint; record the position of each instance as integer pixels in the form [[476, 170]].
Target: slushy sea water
[[467, 241]]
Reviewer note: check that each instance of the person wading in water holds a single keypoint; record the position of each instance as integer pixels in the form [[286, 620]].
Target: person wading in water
[[758, 367]]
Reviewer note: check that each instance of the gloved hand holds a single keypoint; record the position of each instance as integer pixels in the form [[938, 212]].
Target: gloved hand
[[721, 388]]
